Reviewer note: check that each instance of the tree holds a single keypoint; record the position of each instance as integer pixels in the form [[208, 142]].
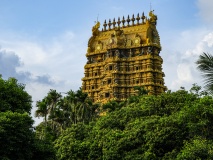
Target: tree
[[196, 148], [13, 96], [197, 90], [173, 125], [42, 110], [52, 124], [43, 150], [80, 107], [86, 109], [205, 65], [62, 112], [73, 137], [17, 137], [141, 90], [52, 99], [112, 106]]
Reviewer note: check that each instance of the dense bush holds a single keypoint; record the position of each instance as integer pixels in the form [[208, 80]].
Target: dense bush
[[169, 126]]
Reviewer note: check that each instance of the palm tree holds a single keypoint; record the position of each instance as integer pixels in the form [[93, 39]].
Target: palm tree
[[63, 112], [205, 65], [87, 111], [84, 110], [82, 106], [52, 99], [79, 107], [72, 103], [42, 110]]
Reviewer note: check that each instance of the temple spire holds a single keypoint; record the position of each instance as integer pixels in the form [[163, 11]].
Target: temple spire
[[125, 54]]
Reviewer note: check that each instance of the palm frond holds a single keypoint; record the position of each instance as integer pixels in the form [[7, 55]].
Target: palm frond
[[205, 65]]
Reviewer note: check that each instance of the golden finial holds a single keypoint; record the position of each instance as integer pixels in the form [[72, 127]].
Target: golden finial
[[143, 17], [150, 6], [96, 20], [105, 24], [109, 24], [114, 23], [123, 21], [119, 22], [128, 20], [138, 18], [133, 19]]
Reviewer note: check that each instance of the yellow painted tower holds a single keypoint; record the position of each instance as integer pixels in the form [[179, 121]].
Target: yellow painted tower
[[124, 54]]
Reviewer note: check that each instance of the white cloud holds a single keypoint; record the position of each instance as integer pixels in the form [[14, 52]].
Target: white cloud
[[55, 64], [185, 59], [209, 39], [204, 45], [62, 57], [184, 72]]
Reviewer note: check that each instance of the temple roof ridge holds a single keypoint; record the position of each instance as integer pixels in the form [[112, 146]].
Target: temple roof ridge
[[129, 21]]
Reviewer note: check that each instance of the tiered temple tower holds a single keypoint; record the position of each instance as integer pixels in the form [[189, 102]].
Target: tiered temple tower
[[123, 55]]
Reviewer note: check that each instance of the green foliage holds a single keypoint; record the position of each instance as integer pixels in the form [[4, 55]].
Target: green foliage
[[45, 132], [15, 135], [112, 106], [13, 97], [73, 138], [141, 90], [174, 125], [197, 90], [62, 112], [42, 110], [196, 149], [17, 138], [43, 150]]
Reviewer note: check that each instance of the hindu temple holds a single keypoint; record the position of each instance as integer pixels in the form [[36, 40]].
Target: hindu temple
[[124, 54]]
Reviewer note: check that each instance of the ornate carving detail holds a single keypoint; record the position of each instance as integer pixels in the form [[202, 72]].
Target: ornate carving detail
[[129, 43], [117, 53], [99, 46], [137, 40], [120, 37], [152, 35]]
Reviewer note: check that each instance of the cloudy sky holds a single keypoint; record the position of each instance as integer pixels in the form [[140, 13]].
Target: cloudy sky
[[43, 43]]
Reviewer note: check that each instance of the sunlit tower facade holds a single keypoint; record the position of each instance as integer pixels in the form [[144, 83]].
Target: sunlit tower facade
[[124, 54]]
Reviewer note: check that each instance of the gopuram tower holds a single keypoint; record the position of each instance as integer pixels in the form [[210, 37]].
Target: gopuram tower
[[124, 54]]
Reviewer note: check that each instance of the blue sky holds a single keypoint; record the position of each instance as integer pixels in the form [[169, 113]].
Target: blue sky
[[43, 43]]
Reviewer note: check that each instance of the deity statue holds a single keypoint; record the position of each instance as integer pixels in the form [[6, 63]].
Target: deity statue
[[153, 17], [95, 28]]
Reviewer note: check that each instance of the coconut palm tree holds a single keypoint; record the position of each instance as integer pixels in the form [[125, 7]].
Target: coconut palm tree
[[42, 110], [84, 110], [205, 65], [79, 107], [52, 99], [72, 103], [87, 111]]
